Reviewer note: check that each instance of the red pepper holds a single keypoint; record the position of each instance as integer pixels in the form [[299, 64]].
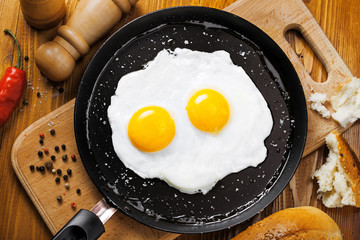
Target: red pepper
[[12, 85]]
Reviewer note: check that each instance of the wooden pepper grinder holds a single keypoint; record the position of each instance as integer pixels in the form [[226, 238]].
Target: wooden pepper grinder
[[43, 14], [91, 20]]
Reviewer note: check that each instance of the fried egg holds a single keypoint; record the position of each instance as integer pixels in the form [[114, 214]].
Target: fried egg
[[189, 118]]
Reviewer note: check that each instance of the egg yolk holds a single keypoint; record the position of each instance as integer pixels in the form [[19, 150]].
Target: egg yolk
[[208, 110], [151, 129]]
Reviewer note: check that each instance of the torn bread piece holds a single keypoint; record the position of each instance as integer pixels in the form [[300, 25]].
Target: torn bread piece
[[346, 102], [339, 177], [316, 103]]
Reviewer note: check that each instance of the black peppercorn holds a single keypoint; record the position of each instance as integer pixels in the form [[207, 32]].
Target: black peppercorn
[[58, 171], [52, 157], [63, 147], [61, 90], [64, 157], [42, 169], [26, 58], [40, 153], [57, 179], [69, 172], [32, 167], [41, 141], [38, 94], [52, 132], [65, 177], [59, 198], [37, 168], [78, 191], [56, 148], [25, 102]]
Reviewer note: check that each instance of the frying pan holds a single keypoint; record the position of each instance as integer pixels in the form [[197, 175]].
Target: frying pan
[[238, 196]]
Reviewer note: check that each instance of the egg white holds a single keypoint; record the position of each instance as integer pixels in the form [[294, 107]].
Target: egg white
[[195, 160]]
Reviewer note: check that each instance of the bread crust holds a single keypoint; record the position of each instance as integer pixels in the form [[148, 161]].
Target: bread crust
[[350, 163], [293, 224]]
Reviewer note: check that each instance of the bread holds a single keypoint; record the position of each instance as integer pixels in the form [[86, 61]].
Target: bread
[[339, 177], [346, 102], [316, 103], [301, 223]]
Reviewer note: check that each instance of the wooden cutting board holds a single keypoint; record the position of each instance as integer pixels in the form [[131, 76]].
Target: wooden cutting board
[[277, 17], [273, 17], [43, 190]]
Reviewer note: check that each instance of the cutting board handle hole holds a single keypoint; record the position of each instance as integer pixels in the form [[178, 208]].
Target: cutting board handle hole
[[307, 55]]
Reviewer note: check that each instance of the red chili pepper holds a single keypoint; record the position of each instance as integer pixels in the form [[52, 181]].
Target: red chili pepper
[[73, 205], [12, 85]]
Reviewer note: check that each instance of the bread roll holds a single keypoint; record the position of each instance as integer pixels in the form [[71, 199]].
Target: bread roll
[[301, 223], [339, 177]]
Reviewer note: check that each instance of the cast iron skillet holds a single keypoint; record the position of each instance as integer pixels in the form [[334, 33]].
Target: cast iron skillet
[[238, 196]]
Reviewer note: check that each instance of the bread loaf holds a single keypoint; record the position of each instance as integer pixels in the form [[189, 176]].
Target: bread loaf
[[339, 177], [301, 223]]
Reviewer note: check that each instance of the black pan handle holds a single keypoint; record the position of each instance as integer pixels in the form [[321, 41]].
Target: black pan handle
[[85, 225]]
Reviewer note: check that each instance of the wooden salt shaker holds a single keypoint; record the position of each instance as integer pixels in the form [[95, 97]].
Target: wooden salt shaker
[[43, 14], [91, 20]]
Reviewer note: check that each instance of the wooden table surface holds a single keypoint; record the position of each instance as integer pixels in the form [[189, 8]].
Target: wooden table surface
[[18, 217]]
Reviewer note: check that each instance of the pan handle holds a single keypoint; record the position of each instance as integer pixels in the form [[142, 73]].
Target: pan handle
[[85, 225]]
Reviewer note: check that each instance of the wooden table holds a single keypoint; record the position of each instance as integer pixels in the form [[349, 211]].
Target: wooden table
[[18, 217]]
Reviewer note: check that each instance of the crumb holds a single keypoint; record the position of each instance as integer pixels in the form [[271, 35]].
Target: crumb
[[316, 103]]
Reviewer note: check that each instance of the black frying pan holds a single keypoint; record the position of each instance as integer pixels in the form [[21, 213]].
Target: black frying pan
[[236, 197]]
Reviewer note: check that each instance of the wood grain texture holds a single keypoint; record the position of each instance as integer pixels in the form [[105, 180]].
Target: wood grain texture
[[19, 219]]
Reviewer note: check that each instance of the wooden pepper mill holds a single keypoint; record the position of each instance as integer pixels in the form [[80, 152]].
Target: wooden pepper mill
[[91, 20], [43, 14]]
